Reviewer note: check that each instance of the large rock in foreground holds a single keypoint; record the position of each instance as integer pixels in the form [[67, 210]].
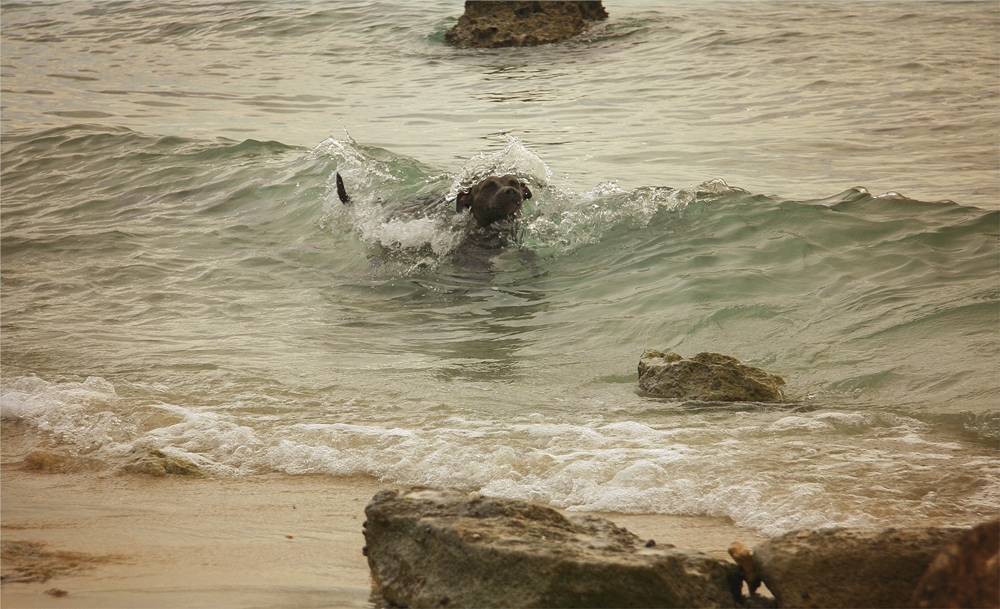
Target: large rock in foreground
[[446, 548], [710, 377], [487, 24], [965, 574], [849, 567]]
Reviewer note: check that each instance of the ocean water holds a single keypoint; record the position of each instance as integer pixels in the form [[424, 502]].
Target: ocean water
[[812, 187]]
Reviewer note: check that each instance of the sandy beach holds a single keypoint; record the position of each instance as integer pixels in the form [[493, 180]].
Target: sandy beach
[[180, 542], [111, 539]]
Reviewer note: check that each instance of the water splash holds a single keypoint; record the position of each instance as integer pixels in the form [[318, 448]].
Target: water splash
[[556, 220], [514, 159]]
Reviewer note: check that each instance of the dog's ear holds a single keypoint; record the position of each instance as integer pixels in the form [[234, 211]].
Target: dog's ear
[[524, 191], [463, 201]]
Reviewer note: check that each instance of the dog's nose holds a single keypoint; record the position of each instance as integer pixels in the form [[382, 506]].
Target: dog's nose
[[511, 191]]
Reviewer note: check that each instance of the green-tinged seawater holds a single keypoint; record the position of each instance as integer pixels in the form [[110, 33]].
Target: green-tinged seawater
[[179, 274]]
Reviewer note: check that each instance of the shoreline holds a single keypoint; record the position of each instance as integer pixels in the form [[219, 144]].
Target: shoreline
[[175, 541]]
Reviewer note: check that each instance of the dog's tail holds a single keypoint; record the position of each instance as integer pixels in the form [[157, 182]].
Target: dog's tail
[[341, 191]]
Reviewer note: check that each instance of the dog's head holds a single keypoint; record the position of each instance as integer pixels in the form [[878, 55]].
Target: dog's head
[[493, 199]]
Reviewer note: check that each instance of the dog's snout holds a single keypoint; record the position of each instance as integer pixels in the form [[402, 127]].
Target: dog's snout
[[511, 191], [493, 199]]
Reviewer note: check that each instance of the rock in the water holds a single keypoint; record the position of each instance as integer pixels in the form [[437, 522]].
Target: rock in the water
[[45, 461], [965, 574], [487, 24], [50, 461], [849, 567], [710, 377], [156, 463], [446, 548]]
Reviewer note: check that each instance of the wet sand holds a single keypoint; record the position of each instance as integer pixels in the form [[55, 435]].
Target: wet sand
[[132, 540], [182, 542]]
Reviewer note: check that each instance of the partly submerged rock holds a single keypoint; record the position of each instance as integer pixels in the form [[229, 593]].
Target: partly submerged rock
[[446, 548], [710, 377], [50, 461], [849, 567], [45, 461], [156, 463], [488, 24], [966, 573]]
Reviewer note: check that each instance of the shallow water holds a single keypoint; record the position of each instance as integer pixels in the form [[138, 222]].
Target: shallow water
[[179, 274]]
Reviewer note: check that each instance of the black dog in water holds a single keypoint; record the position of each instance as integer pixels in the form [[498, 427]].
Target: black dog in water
[[491, 200]]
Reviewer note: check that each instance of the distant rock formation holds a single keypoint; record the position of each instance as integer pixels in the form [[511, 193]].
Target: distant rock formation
[[446, 548], [709, 377], [849, 567], [487, 24], [965, 574]]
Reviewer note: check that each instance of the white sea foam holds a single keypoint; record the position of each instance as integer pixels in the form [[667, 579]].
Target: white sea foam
[[804, 470], [411, 234], [85, 415], [36, 399]]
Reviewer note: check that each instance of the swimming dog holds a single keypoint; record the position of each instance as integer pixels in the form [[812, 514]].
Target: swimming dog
[[492, 199]]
